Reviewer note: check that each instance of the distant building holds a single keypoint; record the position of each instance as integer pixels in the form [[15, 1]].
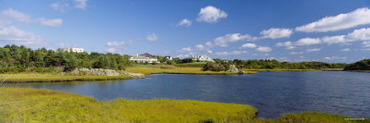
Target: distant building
[[77, 50], [144, 58], [168, 57], [203, 58]]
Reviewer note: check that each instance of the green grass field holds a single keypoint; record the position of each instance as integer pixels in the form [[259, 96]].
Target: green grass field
[[37, 105], [153, 69], [49, 77]]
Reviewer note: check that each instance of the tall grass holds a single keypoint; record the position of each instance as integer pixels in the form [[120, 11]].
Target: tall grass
[[35, 105], [49, 77]]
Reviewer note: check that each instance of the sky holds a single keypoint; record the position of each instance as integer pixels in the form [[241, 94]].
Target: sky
[[335, 31]]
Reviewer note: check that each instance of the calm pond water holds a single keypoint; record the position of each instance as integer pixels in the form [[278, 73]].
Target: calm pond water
[[273, 93]]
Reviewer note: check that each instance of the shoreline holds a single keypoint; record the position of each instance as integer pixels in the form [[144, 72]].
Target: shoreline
[[132, 73]]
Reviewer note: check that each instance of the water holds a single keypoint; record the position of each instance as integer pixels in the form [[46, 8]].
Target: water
[[273, 93]]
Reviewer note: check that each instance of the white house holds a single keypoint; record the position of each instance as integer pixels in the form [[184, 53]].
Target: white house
[[77, 50], [203, 58], [143, 59], [168, 57]]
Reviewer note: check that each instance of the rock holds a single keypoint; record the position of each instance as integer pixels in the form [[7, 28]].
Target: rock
[[96, 72], [241, 72], [134, 75], [105, 72], [235, 70]]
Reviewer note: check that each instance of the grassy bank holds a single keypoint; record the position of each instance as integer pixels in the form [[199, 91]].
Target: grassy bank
[[49, 77], [153, 69], [37, 105]]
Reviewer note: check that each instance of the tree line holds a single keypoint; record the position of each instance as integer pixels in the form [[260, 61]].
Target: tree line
[[360, 65], [274, 64], [222, 65], [16, 59]]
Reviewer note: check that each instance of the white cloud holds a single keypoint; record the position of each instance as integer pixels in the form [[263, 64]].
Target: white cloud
[[80, 4], [209, 44], [199, 47], [295, 53], [275, 33], [185, 22], [355, 18], [366, 43], [235, 52], [210, 51], [248, 45], [112, 50], [313, 50], [356, 35], [115, 44], [334, 39], [345, 49], [308, 41], [221, 53], [183, 56], [59, 6], [210, 14], [359, 34], [16, 15], [52, 22], [152, 37], [14, 35], [24, 18], [264, 49], [224, 40], [186, 49], [334, 58], [289, 45]]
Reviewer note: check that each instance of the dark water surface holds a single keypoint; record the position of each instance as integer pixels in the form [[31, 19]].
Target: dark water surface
[[273, 93]]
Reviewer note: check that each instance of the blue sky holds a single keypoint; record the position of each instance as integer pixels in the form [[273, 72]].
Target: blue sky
[[287, 30]]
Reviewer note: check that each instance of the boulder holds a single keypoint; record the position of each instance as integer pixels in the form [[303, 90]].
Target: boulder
[[234, 69], [96, 72], [134, 75]]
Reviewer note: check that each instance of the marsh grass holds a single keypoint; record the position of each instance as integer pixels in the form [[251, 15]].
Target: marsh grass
[[36, 105], [153, 69], [56, 77]]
